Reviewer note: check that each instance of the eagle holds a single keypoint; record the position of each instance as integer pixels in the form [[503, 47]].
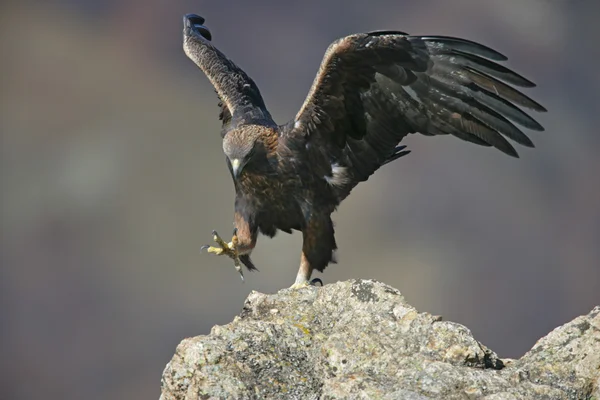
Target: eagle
[[371, 90]]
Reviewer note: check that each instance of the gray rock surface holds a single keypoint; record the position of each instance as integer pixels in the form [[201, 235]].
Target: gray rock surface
[[361, 340]]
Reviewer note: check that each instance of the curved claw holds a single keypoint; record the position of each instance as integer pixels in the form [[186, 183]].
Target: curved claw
[[228, 249], [315, 281]]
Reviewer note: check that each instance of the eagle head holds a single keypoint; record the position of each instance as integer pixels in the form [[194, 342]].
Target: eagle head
[[246, 149]]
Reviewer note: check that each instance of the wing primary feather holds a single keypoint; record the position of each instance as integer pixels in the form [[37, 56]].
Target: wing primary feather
[[498, 123], [489, 67], [445, 117], [466, 46], [506, 108], [451, 99], [398, 152], [470, 138], [471, 125], [489, 103], [500, 88], [386, 32]]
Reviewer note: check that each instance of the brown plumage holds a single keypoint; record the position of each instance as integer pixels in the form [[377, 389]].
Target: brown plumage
[[371, 90]]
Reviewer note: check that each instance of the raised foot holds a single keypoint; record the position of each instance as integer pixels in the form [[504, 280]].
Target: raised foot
[[229, 249]]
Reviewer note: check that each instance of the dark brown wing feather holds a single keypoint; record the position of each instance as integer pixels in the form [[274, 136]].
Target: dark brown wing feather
[[239, 97], [373, 89]]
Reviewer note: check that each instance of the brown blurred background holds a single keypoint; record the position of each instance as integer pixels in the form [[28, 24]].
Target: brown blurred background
[[113, 177]]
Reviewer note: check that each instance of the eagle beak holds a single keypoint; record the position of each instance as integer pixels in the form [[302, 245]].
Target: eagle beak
[[235, 166]]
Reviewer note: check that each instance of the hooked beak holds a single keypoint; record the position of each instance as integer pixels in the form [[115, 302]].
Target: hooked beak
[[236, 167]]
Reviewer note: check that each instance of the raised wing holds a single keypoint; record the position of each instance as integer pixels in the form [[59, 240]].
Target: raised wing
[[373, 89], [240, 99]]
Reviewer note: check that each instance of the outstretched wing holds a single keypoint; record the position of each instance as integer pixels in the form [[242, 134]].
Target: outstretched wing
[[373, 89], [240, 99]]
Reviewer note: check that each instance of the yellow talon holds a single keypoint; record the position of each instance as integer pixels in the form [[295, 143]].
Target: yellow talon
[[220, 241], [300, 285], [230, 249], [215, 250]]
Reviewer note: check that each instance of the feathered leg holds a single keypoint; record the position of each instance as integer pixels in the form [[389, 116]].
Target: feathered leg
[[317, 249]]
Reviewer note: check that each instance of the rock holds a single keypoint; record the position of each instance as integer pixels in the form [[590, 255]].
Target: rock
[[360, 339]]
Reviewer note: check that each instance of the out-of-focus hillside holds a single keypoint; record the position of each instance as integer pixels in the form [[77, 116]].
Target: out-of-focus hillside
[[113, 177]]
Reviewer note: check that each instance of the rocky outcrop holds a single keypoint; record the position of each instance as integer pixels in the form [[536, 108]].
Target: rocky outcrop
[[360, 339]]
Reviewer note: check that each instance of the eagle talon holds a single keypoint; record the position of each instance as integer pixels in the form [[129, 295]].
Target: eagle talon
[[229, 249], [305, 283], [300, 285]]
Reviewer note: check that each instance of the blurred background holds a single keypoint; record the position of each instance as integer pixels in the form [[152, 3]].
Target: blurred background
[[113, 177]]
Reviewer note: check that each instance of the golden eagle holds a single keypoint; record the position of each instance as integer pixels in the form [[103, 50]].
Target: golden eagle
[[371, 90]]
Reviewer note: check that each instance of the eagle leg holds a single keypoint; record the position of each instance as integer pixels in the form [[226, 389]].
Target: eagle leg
[[229, 249], [304, 273], [317, 250]]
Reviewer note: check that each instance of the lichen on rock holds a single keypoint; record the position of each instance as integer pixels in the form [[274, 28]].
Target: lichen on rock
[[360, 339]]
